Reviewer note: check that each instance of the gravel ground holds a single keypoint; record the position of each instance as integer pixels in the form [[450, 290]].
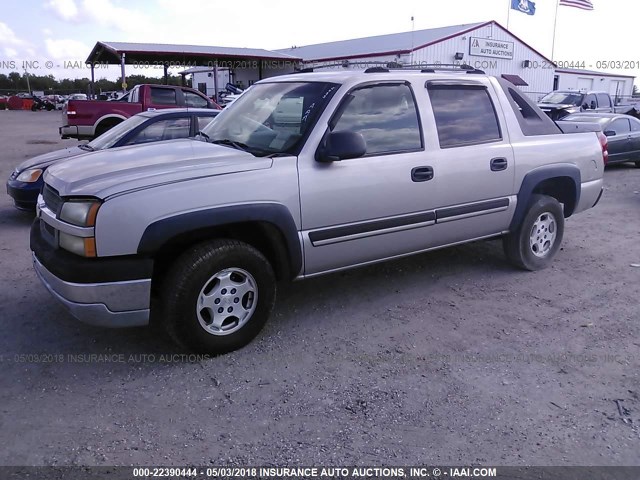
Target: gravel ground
[[451, 357]]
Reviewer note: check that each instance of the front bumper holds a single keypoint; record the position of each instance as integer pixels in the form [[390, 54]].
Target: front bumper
[[24, 194], [107, 292]]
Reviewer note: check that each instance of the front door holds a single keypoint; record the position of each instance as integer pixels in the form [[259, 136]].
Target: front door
[[376, 206]]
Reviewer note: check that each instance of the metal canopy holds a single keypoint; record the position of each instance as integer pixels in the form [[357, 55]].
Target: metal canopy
[[181, 55]]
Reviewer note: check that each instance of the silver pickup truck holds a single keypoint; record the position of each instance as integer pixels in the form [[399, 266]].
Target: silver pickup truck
[[304, 175]]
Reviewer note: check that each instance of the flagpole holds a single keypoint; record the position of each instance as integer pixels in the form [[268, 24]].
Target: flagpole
[[508, 13], [555, 23]]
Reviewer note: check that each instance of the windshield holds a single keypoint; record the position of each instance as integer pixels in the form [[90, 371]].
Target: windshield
[[563, 98], [270, 118], [111, 136]]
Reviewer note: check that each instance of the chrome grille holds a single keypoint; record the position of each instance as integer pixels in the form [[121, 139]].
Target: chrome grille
[[52, 200]]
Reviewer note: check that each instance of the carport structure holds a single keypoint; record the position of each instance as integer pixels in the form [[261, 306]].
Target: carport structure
[[165, 56]]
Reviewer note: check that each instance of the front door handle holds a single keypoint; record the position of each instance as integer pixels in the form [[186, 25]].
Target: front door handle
[[421, 174], [498, 164]]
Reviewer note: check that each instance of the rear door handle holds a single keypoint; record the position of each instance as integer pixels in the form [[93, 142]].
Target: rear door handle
[[498, 164], [421, 174]]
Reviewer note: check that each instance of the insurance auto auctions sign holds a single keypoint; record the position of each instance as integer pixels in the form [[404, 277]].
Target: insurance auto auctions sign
[[488, 47]]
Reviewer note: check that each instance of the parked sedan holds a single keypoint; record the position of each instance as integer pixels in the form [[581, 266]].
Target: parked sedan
[[622, 132], [25, 182]]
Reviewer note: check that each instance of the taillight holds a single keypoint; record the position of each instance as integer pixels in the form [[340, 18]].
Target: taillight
[[604, 143], [71, 112]]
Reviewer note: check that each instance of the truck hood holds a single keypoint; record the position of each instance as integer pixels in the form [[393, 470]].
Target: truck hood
[[44, 160], [116, 170]]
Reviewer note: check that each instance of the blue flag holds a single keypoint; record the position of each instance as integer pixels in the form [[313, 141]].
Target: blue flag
[[524, 6]]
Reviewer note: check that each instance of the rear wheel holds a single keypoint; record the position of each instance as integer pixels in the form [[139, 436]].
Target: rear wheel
[[537, 240], [218, 296], [105, 126]]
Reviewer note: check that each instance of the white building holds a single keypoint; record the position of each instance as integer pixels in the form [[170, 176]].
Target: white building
[[487, 46]]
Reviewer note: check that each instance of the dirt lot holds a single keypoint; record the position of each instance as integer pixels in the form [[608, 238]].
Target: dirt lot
[[445, 358]]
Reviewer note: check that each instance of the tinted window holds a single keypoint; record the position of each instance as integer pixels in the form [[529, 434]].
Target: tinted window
[[603, 100], [163, 130], [590, 100], [621, 125], [203, 122], [464, 115], [163, 96], [386, 117], [193, 100]]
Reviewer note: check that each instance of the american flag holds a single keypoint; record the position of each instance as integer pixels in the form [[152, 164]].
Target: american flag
[[583, 4]]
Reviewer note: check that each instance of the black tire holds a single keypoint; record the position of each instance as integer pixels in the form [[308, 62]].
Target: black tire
[[104, 127], [637, 164], [517, 245], [192, 273]]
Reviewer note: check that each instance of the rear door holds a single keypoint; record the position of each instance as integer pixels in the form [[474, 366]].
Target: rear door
[[474, 160]]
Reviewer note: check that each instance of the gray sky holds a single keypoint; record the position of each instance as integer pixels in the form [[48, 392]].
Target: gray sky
[[66, 30]]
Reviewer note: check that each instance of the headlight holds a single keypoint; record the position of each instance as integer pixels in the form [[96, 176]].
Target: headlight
[[30, 175], [80, 212]]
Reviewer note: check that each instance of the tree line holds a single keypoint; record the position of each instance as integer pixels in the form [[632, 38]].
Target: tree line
[[14, 82]]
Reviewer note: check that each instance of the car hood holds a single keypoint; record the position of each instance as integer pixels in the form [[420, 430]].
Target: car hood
[[43, 161], [556, 106], [117, 170]]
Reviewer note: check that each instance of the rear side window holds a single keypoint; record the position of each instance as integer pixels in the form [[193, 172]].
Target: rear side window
[[386, 117], [464, 115], [163, 96], [603, 100], [635, 125]]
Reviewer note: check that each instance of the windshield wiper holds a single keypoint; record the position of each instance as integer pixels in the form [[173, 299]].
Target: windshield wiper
[[231, 143], [86, 148]]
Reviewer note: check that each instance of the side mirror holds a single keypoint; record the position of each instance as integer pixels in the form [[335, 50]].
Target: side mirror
[[585, 106], [593, 105], [609, 133], [343, 146]]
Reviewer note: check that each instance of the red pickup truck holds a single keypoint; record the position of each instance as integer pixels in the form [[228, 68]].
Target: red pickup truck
[[87, 119]]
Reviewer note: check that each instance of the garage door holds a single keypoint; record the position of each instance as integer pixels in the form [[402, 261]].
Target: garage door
[[585, 84]]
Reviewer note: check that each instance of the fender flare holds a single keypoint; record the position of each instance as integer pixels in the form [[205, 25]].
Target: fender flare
[[160, 232], [532, 179], [107, 117]]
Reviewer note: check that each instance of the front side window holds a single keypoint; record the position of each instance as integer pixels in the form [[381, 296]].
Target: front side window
[[590, 101], [385, 115], [464, 115], [271, 118], [168, 129], [163, 96], [620, 126], [193, 100], [204, 121], [635, 125]]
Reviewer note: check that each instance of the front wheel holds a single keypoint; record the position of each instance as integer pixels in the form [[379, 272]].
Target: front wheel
[[537, 240], [218, 296]]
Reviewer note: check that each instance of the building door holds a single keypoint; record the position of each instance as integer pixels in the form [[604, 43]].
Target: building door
[[556, 82], [202, 87], [585, 84]]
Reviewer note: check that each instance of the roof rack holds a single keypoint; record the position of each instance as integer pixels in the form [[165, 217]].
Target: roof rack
[[381, 67]]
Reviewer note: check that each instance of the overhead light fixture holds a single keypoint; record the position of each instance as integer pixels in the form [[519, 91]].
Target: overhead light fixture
[[459, 56]]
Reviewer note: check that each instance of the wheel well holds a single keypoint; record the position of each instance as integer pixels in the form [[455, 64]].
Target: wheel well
[[106, 124], [263, 236], [562, 189]]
